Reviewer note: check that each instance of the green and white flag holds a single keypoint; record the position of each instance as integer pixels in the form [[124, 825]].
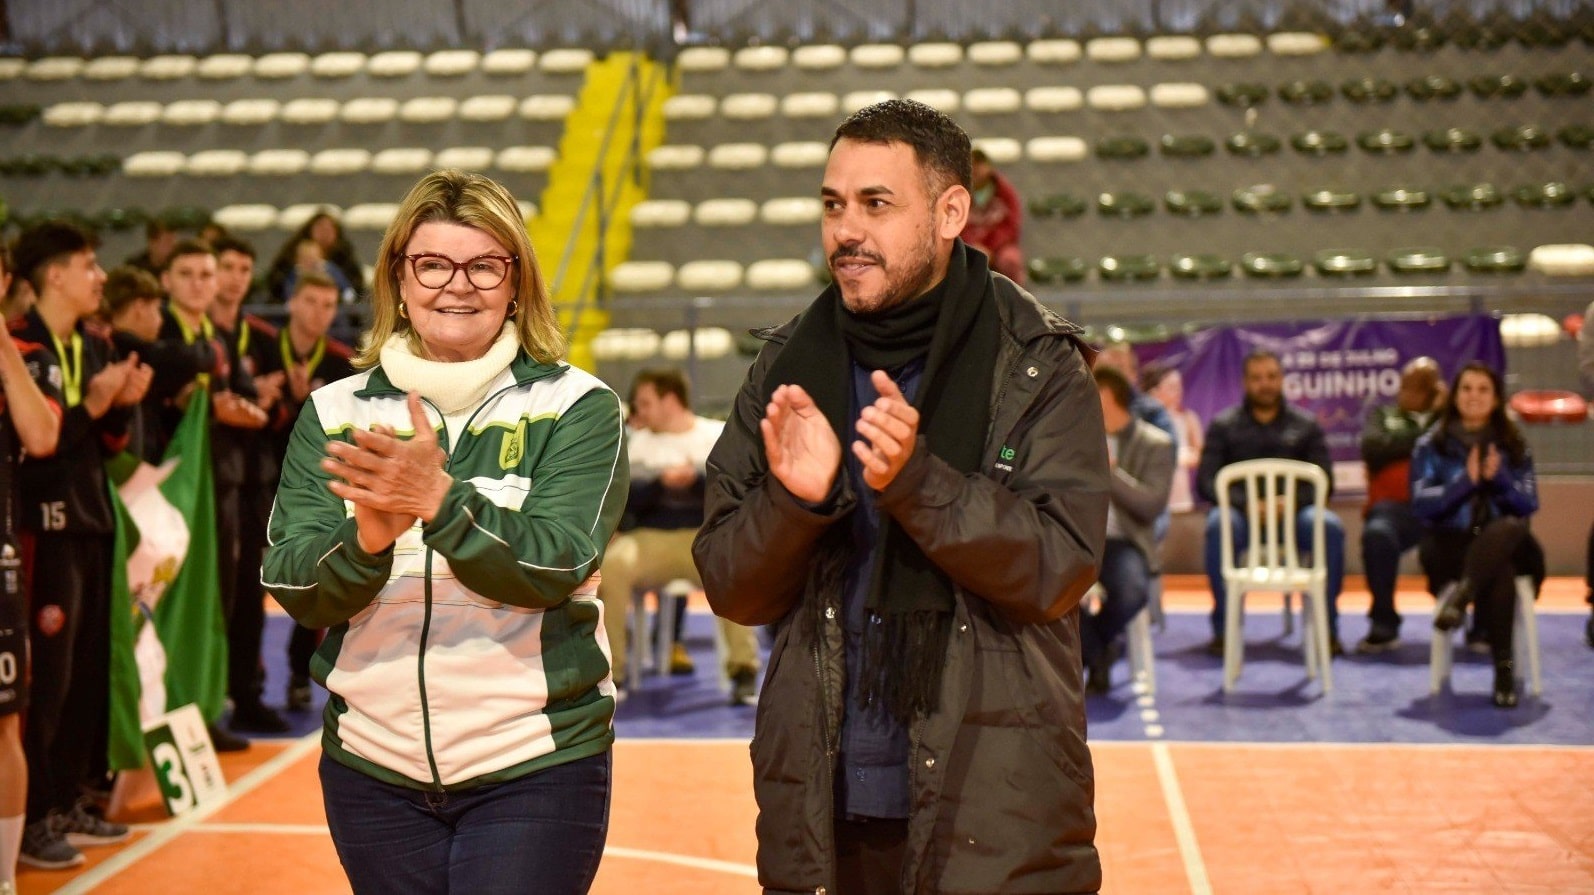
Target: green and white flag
[[168, 638]]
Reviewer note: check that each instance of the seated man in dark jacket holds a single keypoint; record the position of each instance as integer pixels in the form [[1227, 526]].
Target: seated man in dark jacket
[[1264, 425]]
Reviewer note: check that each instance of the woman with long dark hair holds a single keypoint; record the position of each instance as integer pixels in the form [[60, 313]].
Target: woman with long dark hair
[[1472, 481], [336, 252]]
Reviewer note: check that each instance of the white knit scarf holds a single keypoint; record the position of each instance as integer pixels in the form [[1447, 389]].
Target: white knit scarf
[[451, 386]]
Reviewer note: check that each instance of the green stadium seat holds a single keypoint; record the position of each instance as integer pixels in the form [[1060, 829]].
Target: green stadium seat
[[104, 164], [1385, 141], [1494, 259], [1124, 205], [1497, 86], [1122, 148], [1433, 87], [1418, 38], [1192, 203], [1062, 205], [1186, 145], [19, 113], [1306, 92], [1359, 40], [1242, 94], [1480, 37], [1521, 138], [1471, 197], [73, 166], [1402, 198], [186, 217], [1553, 194], [1345, 262], [1452, 139], [1058, 269], [122, 219], [1542, 33], [1124, 268], [1254, 144], [1319, 143], [1563, 84], [1331, 199], [1369, 90], [1576, 136], [1261, 199], [1200, 266], [1417, 259], [1271, 265]]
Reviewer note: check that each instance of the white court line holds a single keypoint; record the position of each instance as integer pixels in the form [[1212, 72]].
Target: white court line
[[1183, 830], [170, 830]]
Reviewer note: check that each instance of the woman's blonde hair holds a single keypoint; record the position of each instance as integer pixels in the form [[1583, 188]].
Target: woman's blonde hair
[[456, 197]]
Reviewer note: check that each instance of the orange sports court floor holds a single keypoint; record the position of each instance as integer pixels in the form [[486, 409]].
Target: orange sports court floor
[[1175, 816]]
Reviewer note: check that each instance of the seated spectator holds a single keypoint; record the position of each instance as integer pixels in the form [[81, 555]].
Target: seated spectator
[[336, 251], [131, 304], [308, 259], [1120, 356], [159, 241], [996, 219], [1472, 481], [1142, 473], [1388, 438], [1165, 385], [1265, 426]]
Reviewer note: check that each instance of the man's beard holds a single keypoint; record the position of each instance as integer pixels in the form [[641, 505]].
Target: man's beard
[[902, 284]]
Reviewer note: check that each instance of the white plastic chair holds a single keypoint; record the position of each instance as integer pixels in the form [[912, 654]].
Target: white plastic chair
[[1272, 561], [1525, 643]]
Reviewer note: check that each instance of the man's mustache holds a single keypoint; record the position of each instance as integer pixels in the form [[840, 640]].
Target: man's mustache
[[839, 254]]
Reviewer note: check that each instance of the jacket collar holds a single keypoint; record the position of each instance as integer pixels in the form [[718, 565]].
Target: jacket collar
[[524, 368]]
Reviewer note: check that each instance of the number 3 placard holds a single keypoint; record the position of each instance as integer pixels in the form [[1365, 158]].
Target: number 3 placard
[[184, 760]]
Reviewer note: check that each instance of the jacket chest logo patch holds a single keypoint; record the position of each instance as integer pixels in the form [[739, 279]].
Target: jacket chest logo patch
[[512, 449], [1005, 458]]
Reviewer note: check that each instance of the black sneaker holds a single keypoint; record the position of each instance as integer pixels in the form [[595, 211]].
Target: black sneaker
[[44, 846], [84, 826], [225, 740], [744, 687], [1378, 640], [1452, 606], [257, 717], [1215, 647], [298, 694], [1588, 632], [1335, 648]]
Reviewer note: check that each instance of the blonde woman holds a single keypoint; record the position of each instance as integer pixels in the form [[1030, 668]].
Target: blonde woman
[[444, 512]]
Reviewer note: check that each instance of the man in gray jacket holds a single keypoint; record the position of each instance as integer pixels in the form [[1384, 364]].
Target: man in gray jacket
[[1141, 457], [912, 489]]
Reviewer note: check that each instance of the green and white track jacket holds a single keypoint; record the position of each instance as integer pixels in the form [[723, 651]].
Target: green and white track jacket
[[473, 651]]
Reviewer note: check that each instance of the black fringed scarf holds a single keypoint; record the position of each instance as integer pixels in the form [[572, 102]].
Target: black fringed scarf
[[956, 329]]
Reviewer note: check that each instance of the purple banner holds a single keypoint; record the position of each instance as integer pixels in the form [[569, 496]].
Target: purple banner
[[1336, 369]]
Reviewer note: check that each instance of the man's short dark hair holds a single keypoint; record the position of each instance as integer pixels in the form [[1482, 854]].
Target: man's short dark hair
[[188, 247], [312, 278], [941, 147], [125, 285], [1258, 355], [665, 381], [156, 227], [230, 243], [1116, 383], [45, 244]]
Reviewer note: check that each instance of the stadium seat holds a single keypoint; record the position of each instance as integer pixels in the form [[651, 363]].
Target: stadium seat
[[1271, 265], [509, 61], [310, 110], [993, 53], [246, 217], [1331, 199], [992, 100], [1576, 136], [801, 154], [641, 276], [655, 213], [1402, 198], [546, 107], [1122, 147], [1319, 143], [1306, 92], [703, 59], [55, 68], [1345, 262], [251, 112], [1053, 51], [706, 342], [370, 216], [1179, 95], [675, 157], [877, 56], [1492, 86], [1125, 268], [1063, 205], [1186, 145], [191, 112], [708, 276], [12, 67], [791, 210], [121, 220], [1053, 99], [809, 105], [935, 55], [1529, 331], [1471, 197], [1252, 144], [279, 162], [224, 67], [1055, 149], [1432, 87], [295, 216], [393, 64], [689, 107], [748, 106], [1562, 84], [1124, 205], [451, 63], [625, 344], [1417, 259], [492, 107], [1385, 141], [1540, 406], [1452, 140], [110, 68], [1242, 94], [401, 160], [738, 156], [428, 109], [1520, 138], [819, 57], [1171, 47], [1563, 260], [1494, 259], [337, 66], [725, 212], [1296, 43], [1234, 46], [947, 101], [340, 162], [73, 114], [1200, 266], [281, 66], [566, 61], [135, 113], [1000, 150], [859, 99], [764, 58], [167, 67], [369, 110], [1369, 90], [525, 159], [1552, 194], [1116, 97], [1192, 203], [465, 158], [1057, 269], [1263, 198], [154, 163], [1112, 49], [782, 274]]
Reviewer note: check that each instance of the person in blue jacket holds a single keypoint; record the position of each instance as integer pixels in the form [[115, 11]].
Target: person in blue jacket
[[1472, 481]]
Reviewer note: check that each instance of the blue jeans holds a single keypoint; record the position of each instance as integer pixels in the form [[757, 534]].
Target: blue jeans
[[1333, 534], [1126, 577], [541, 833], [1391, 529]]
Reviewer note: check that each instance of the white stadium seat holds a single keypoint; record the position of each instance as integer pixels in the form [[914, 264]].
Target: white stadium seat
[[368, 110], [1116, 97], [992, 100], [709, 276], [12, 68], [779, 274], [295, 216], [254, 111], [428, 109], [281, 66], [393, 64], [689, 107], [1563, 260], [766, 58], [992, 53], [675, 157], [860, 99], [155, 163], [641, 276], [135, 113], [111, 68], [706, 342], [55, 68], [940, 99], [509, 61], [737, 156], [401, 160], [495, 107], [1296, 43], [217, 163], [168, 67], [465, 158], [653, 213], [339, 65], [224, 67], [310, 110], [73, 114], [625, 343], [528, 210], [801, 154], [1179, 95], [819, 57], [546, 107], [567, 61], [246, 217], [703, 59], [1055, 149], [451, 63], [1170, 47], [1053, 52], [191, 112], [748, 106], [340, 162], [370, 215], [935, 55], [1234, 46], [809, 105], [877, 56], [1053, 99], [279, 162], [525, 158], [1112, 49], [791, 210], [1529, 330], [1000, 150], [725, 212]]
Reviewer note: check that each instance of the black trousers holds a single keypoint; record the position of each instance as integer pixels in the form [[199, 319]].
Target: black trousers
[[242, 511], [66, 729], [1488, 561], [869, 856], [302, 643]]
